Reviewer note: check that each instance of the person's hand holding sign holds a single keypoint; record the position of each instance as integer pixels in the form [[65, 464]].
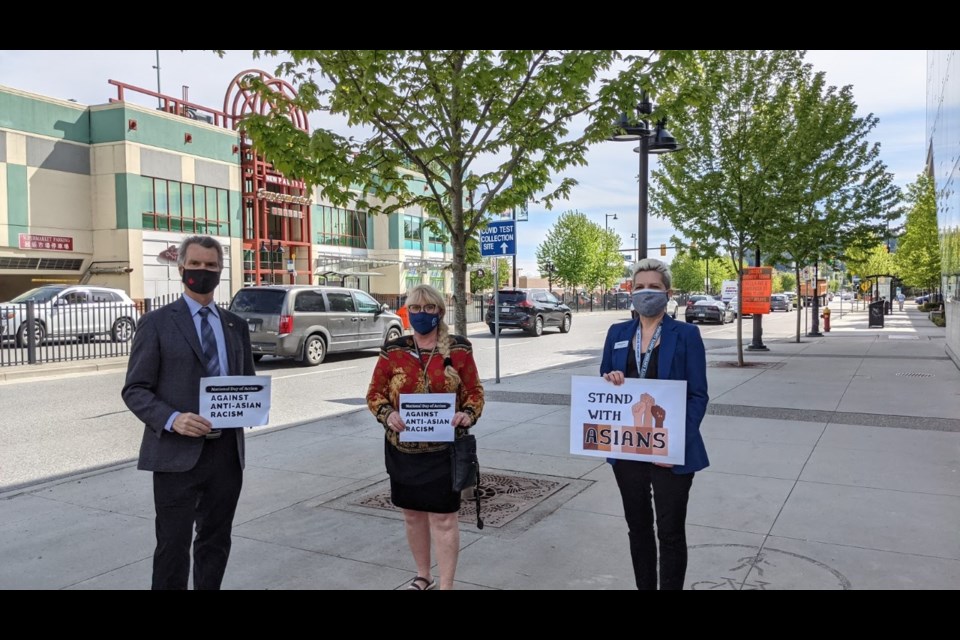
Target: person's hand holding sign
[[395, 422], [461, 419]]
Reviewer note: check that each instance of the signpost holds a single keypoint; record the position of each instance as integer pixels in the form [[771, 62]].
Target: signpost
[[756, 290], [498, 240]]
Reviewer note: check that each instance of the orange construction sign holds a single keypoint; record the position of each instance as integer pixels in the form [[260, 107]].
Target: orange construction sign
[[756, 289]]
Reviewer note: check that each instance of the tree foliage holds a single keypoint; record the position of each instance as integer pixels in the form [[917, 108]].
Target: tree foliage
[[485, 282], [584, 255], [917, 258], [690, 272], [478, 131], [776, 160]]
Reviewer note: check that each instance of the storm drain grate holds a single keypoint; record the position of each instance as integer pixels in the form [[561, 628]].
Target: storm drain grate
[[503, 497], [914, 374]]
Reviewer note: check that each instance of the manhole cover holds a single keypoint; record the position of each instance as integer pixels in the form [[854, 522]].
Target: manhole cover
[[914, 374], [732, 364], [503, 497]]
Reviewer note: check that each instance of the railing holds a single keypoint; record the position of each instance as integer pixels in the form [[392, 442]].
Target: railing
[[36, 333]]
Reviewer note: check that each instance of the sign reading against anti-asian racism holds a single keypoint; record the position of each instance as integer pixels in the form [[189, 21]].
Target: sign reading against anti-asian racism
[[428, 416], [639, 420], [235, 401]]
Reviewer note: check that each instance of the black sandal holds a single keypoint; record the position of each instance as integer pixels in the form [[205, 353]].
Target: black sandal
[[421, 584]]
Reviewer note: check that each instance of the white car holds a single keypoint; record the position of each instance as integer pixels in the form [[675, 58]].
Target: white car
[[70, 311]]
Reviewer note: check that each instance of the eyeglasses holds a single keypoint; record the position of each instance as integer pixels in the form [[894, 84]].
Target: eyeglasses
[[417, 308]]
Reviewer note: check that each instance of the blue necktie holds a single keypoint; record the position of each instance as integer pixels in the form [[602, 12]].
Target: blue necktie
[[208, 343]]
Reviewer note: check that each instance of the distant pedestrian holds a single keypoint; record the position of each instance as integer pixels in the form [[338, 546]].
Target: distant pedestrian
[[900, 299], [197, 470], [421, 483], [657, 346]]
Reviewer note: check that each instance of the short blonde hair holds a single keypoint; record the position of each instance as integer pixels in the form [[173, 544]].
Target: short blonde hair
[[652, 264]]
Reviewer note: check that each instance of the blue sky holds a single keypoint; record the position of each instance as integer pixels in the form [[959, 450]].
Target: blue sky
[[889, 84]]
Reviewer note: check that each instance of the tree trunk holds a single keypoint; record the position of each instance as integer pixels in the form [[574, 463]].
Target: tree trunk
[[796, 268], [459, 265]]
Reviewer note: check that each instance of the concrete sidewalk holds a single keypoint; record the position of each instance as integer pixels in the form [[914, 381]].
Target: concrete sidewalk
[[835, 465]]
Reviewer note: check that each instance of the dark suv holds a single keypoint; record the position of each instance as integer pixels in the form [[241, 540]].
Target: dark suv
[[305, 322], [530, 310]]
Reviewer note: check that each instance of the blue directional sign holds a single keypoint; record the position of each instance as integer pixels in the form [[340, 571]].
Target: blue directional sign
[[499, 239]]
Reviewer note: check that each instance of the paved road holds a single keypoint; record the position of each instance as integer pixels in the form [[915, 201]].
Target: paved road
[[71, 423]]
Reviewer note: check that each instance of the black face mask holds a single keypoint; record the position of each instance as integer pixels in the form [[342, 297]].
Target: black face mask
[[201, 281]]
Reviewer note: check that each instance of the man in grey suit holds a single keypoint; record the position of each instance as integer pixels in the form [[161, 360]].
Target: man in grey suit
[[197, 470]]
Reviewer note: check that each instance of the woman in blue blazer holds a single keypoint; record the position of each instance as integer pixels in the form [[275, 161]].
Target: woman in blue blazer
[[669, 350]]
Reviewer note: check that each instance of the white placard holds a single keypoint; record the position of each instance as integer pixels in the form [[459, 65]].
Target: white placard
[[639, 420], [235, 401], [428, 416]]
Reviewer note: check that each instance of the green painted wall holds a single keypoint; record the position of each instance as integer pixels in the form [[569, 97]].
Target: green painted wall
[[29, 115], [128, 195], [111, 125], [17, 217]]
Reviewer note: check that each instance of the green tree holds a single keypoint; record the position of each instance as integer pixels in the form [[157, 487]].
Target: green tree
[[917, 258], [480, 131], [718, 189], [833, 190], [688, 272], [874, 261], [579, 251], [606, 266], [788, 282], [485, 282]]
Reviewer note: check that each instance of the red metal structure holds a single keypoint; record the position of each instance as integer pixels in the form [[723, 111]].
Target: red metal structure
[[276, 209]]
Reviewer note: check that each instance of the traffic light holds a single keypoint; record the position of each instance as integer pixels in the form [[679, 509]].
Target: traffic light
[[663, 249], [480, 273]]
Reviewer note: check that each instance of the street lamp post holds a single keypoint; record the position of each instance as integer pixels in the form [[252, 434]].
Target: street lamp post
[[656, 141], [549, 266], [606, 220]]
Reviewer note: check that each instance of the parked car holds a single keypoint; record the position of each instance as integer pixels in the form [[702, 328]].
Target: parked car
[[70, 311], [734, 308], [306, 322], [780, 302], [530, 310], [708, 310]]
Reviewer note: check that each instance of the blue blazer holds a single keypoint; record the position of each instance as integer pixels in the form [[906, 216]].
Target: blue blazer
[[682, 357]]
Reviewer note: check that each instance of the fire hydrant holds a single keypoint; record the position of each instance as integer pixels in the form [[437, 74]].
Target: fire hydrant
[[826, 319]]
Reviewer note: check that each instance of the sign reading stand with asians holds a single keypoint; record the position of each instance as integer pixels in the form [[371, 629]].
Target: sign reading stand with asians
[[641, 419]]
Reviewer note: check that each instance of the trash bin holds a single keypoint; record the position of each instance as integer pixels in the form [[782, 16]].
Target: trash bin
[[875, 314]]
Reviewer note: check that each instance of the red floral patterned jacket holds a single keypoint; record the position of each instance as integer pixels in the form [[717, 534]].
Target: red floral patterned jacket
[[400, 370]]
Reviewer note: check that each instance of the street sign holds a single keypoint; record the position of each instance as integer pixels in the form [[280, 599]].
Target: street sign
[[499, 239]]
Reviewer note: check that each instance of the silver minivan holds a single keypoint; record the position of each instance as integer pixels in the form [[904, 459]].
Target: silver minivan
[[305, 322]]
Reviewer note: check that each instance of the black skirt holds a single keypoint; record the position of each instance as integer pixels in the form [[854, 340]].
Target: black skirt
[[421, 481]]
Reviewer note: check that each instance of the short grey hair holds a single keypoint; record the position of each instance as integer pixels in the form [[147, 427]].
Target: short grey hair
[[207, 242], [651, 264]]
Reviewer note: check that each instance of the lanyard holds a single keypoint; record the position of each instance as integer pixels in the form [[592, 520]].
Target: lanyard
[[426, 381], [646, 356]]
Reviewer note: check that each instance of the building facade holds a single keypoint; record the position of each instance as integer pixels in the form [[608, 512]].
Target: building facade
[[104, 194], [943, 165]]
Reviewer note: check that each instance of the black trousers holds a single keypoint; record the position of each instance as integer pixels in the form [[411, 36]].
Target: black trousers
[[670, 494], [206, 495]]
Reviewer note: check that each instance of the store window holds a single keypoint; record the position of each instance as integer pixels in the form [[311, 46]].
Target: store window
[[168, 205]]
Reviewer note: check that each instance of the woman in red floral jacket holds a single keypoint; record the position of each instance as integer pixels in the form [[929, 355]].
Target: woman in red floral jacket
[[429, 361]]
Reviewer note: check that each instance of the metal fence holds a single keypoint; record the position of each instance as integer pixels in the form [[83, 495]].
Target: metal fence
[[35, 333]]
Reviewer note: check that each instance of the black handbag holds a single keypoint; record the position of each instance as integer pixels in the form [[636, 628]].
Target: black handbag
[[465, 468]]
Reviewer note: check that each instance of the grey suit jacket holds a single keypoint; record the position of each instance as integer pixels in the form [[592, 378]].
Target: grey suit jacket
[[163, 376]]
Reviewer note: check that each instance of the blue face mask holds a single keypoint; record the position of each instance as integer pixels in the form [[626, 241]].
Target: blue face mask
[[649, 303], [423, 322]]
